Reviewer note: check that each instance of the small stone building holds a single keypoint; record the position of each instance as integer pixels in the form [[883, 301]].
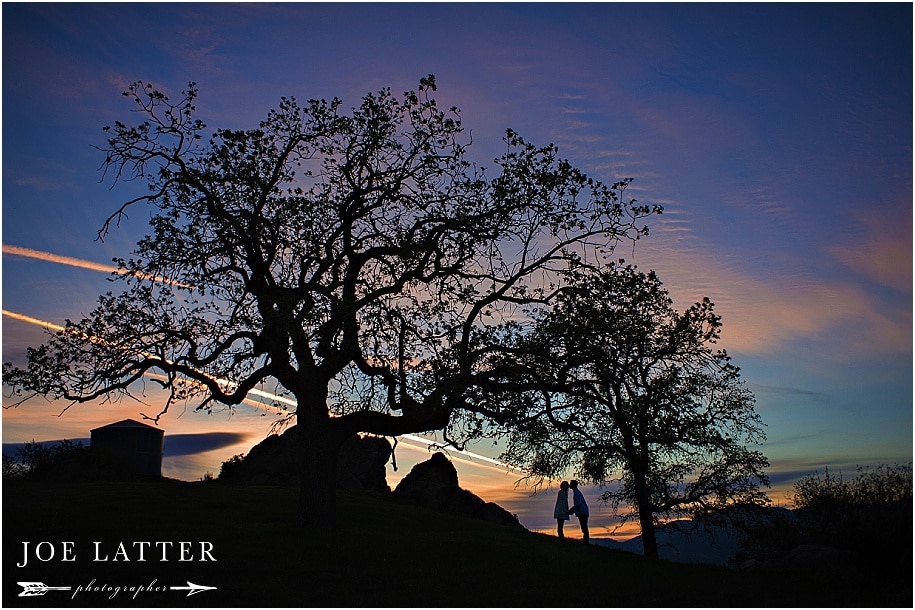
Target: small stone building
[[136, 445]]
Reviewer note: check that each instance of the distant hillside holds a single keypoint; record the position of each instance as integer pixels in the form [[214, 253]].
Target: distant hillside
[[682, 542]]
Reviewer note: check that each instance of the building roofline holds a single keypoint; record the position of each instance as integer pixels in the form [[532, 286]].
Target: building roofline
[[127, 423]]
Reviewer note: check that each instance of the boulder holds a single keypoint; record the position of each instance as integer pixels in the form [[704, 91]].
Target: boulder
[[361, 465], [434, 484]]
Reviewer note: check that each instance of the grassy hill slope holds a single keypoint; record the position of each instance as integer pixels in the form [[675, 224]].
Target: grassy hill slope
[[383, 555]]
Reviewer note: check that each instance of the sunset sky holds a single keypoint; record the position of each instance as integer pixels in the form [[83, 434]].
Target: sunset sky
[[778, 138]]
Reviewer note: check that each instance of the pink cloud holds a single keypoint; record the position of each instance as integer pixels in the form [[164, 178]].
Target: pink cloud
[[765, 310], [884, 253]]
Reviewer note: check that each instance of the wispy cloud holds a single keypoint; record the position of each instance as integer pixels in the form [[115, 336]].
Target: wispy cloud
[[44, 183], [784, 473], [174, 445], [882, 252], [767, 309], [177, 445], [789, 391]]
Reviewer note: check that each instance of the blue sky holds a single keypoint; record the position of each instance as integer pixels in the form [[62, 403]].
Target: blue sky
[[778, 138]]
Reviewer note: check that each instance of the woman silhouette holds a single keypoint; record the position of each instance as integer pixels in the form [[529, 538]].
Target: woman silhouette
[[561, 512]]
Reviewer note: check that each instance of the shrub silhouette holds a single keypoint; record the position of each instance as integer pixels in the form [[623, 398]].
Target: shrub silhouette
[[229, 468], [38, 460], [869, 515], [63, 460]]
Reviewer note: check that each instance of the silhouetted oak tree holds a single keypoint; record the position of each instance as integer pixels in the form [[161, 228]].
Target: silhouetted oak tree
[[613, 382], [353, 262]]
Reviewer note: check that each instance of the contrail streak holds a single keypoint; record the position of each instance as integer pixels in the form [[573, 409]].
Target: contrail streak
[[57, 258], [282, 399], [31, 320], [469, 459], [80, 263], [52, 326], [58, 327], [476, 456], [248, 401]]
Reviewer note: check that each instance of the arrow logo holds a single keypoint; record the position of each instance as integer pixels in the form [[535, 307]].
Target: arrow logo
[[34, 589], [191, 588]]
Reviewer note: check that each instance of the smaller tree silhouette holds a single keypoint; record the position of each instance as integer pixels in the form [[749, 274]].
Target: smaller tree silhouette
[[613, 382]]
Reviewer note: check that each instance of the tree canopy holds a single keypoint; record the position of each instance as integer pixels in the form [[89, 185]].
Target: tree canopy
[[615, 383], [355, 262]]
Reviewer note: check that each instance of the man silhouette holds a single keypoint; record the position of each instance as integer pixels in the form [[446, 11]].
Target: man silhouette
[[580, 509]]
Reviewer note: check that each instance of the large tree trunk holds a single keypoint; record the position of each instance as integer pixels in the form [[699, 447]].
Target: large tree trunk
[[319, 445], [646, 515]]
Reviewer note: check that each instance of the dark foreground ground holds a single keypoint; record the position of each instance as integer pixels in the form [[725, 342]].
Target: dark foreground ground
[[382, 555]]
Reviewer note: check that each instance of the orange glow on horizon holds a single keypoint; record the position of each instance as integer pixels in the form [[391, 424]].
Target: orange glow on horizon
[[572, 530], [780, 495], [466, 456]]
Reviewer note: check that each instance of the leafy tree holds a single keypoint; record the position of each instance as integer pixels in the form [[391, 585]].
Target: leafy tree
[[612, 379], [350, 261]]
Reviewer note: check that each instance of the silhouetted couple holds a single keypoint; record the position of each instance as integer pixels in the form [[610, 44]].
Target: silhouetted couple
[[579, 508]]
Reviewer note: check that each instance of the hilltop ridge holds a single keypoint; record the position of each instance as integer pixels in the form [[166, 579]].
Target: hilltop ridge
[[384, 554]]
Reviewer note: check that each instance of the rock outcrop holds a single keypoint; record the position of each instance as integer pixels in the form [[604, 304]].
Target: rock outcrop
[[361, 465], [434, 484]]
